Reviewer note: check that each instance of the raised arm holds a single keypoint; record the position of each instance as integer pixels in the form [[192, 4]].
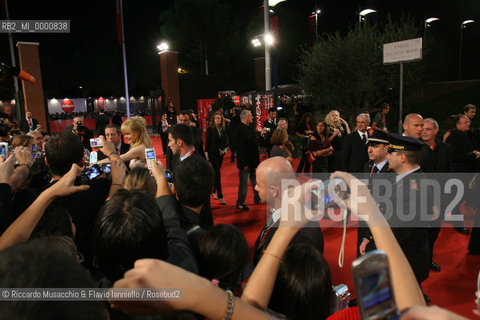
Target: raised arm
[[21, 229], [261, 283], [361, 203]]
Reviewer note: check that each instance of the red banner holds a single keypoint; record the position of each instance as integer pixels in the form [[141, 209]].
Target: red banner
[[263, 102], [202, 107]]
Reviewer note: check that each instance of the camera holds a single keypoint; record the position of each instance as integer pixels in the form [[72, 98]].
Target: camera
[[150, 156], [342, 297], [329, 191], [96, 143]]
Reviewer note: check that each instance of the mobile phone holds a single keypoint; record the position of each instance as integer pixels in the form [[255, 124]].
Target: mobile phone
[[93, 157], [168, 174], [96, 143], [106, 167], [373, 285], [92, 172], [4, 149], [34, 152], [150, 156], [324, 196]]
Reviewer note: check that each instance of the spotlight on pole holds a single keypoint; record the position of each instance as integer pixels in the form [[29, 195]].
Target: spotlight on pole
[[256, 42], [269, 39], [163, 46]]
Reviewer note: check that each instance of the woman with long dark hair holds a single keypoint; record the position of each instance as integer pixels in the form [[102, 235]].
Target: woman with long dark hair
[[304, 130], [215, 149], [320, 147]]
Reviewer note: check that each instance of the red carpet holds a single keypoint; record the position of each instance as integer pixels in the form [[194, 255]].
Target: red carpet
[[453, 288]]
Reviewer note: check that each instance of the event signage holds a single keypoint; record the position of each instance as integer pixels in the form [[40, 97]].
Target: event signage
[[402, 51]]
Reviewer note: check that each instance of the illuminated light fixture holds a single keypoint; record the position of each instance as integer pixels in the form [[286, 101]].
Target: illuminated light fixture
[[317, 12], [273, 3], [269, 39], [163, 46], [256, 42], [366, 11], [429, 20], [467, 22]]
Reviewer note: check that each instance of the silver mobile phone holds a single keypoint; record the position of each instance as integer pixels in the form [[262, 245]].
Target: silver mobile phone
[[150, 156], [373, 286]]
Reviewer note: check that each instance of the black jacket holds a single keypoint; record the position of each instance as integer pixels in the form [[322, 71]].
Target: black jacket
[[214, 142], [355, 153], [101, 121], [247, 147], [463, 158], [25, 128], [310, 234], [438, 160]]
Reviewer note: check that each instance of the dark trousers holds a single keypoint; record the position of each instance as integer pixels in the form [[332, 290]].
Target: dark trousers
[[304, 165], [217, 165], [243, 185], [164, 137]]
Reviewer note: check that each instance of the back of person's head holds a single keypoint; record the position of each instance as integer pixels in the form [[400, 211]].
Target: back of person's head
[[4, 130], [194, 178], [183, 132], [223, 255], [36, 264], [55, 221], [140, 179], [129, 227], [279, 137], [22, 140], [450, 123], [61, 151], [303, 288]]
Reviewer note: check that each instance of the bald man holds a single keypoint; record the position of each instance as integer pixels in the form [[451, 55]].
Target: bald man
[[413, 125], [276, 169]]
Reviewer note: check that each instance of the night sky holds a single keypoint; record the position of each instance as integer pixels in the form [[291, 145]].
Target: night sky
[[90, 55]]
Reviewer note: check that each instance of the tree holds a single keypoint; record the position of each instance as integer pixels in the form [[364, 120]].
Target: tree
[[348, 72]]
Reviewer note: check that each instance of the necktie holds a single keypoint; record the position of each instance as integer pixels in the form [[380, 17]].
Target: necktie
[[364, 138], [375, 169]]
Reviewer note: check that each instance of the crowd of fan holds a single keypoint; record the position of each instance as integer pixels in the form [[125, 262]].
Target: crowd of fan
[[137, 228]]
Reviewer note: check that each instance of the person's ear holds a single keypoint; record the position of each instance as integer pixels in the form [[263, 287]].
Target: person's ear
[[46, 162]]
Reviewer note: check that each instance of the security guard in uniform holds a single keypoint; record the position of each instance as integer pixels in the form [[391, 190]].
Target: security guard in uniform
[[376, 169], [410, 225]]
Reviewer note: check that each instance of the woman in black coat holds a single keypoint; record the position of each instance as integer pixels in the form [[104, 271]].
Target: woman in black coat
[[215, 149]]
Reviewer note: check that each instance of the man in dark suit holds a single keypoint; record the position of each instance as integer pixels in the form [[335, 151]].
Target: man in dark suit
[[184, 117], [248, 158], [81, 131], [436, 157], [464, 155], [180, 141], [101, 121], [269, 126], [28, 123], [270, 192], [376, 168], [354, 147], [114, 135], [409, 228]]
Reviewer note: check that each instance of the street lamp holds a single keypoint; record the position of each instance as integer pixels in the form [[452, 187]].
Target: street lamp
[[162, 47], [463, 25], [266, 22], [256, 42], [316, 13], [363, 13], [426, 25]]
